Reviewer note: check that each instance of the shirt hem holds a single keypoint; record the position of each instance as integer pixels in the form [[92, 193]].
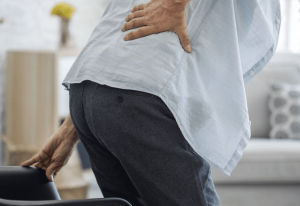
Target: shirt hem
[[238, 152], [163, 94], [107, 81], [237, 155]]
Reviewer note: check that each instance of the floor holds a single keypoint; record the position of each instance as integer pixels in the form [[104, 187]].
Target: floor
[[233, 195]]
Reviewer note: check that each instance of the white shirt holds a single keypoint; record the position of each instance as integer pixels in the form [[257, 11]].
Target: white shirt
[[232, 41]]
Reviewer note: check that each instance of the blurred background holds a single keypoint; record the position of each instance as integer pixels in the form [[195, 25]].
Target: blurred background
[[38, 47]]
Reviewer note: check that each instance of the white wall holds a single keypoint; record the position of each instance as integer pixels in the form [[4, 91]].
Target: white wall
[[29, 25], [289, 40]]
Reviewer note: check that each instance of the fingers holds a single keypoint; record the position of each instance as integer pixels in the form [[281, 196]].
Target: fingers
[[141, 32], [40, 165], [184, 40], [139, 22], [50, 170], [138, 8], [55, 173], [131, 16], [31, 161]]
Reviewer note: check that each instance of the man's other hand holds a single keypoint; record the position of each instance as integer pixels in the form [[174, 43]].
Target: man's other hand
[[158, 16], [57, 151]]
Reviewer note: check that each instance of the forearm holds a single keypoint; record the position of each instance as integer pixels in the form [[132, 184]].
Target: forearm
[[68, 130], [177, 2]]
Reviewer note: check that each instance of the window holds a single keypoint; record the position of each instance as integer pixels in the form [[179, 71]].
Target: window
[[289, 38]]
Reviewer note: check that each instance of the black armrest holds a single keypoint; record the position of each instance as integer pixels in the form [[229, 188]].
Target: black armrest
[[29, 186], [86, 202], [26, 183]]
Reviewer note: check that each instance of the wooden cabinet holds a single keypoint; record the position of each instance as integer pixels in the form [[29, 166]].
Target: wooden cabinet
[[31, 102], [32, 115]]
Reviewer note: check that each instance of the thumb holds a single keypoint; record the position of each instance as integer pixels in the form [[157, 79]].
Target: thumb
[[184, 40], [50, 170]]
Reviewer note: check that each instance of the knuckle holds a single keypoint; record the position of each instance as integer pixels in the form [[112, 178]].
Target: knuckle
[[147, 18], [185, 41], [139, 22], [133, 23], [184, 38], [155, 27], [142, 13], [140, 32], [129, 35]]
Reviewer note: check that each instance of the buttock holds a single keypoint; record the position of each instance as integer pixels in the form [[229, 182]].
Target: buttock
[[140, 135]]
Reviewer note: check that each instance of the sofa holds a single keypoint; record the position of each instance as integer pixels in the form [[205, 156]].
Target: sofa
[[269, 170]]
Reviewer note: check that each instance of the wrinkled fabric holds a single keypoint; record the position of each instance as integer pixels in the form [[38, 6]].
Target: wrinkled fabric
[[158, 16], [141, 156], [232, 41]]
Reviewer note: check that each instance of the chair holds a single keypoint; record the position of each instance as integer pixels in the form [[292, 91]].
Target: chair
[[29, 186]]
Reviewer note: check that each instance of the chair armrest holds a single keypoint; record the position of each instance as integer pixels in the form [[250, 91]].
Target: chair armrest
[[84, 202], [26, 183]]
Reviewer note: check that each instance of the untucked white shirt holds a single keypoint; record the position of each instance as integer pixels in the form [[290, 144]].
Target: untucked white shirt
[[232, 41]]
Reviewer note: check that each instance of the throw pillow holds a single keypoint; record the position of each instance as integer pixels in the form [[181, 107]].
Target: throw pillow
[[284, 104]]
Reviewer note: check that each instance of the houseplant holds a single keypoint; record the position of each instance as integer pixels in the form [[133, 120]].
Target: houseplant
[[65, 12]]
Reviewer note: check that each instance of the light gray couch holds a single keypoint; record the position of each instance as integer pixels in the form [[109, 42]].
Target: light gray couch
[[269, 172]]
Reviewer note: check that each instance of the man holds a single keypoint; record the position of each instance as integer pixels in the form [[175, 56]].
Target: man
[[152, 113]]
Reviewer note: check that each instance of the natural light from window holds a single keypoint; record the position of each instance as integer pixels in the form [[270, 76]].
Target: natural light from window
[[289, 39]]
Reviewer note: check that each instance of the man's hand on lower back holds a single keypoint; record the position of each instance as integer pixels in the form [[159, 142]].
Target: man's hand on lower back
[[158, 16]]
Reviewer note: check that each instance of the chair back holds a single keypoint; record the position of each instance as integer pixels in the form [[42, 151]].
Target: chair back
[[26, 183]]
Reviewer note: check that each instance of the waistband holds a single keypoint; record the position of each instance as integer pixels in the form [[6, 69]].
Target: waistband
[[107, 88]]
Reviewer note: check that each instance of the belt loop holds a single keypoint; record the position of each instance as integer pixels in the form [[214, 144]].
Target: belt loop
[[97, 86]]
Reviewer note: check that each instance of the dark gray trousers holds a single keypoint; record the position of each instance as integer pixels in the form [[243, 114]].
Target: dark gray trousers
[[136, 148]]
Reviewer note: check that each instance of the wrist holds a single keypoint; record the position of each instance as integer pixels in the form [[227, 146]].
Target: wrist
[[180, 1], [175, 3], [69, 133], [68, 130]]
